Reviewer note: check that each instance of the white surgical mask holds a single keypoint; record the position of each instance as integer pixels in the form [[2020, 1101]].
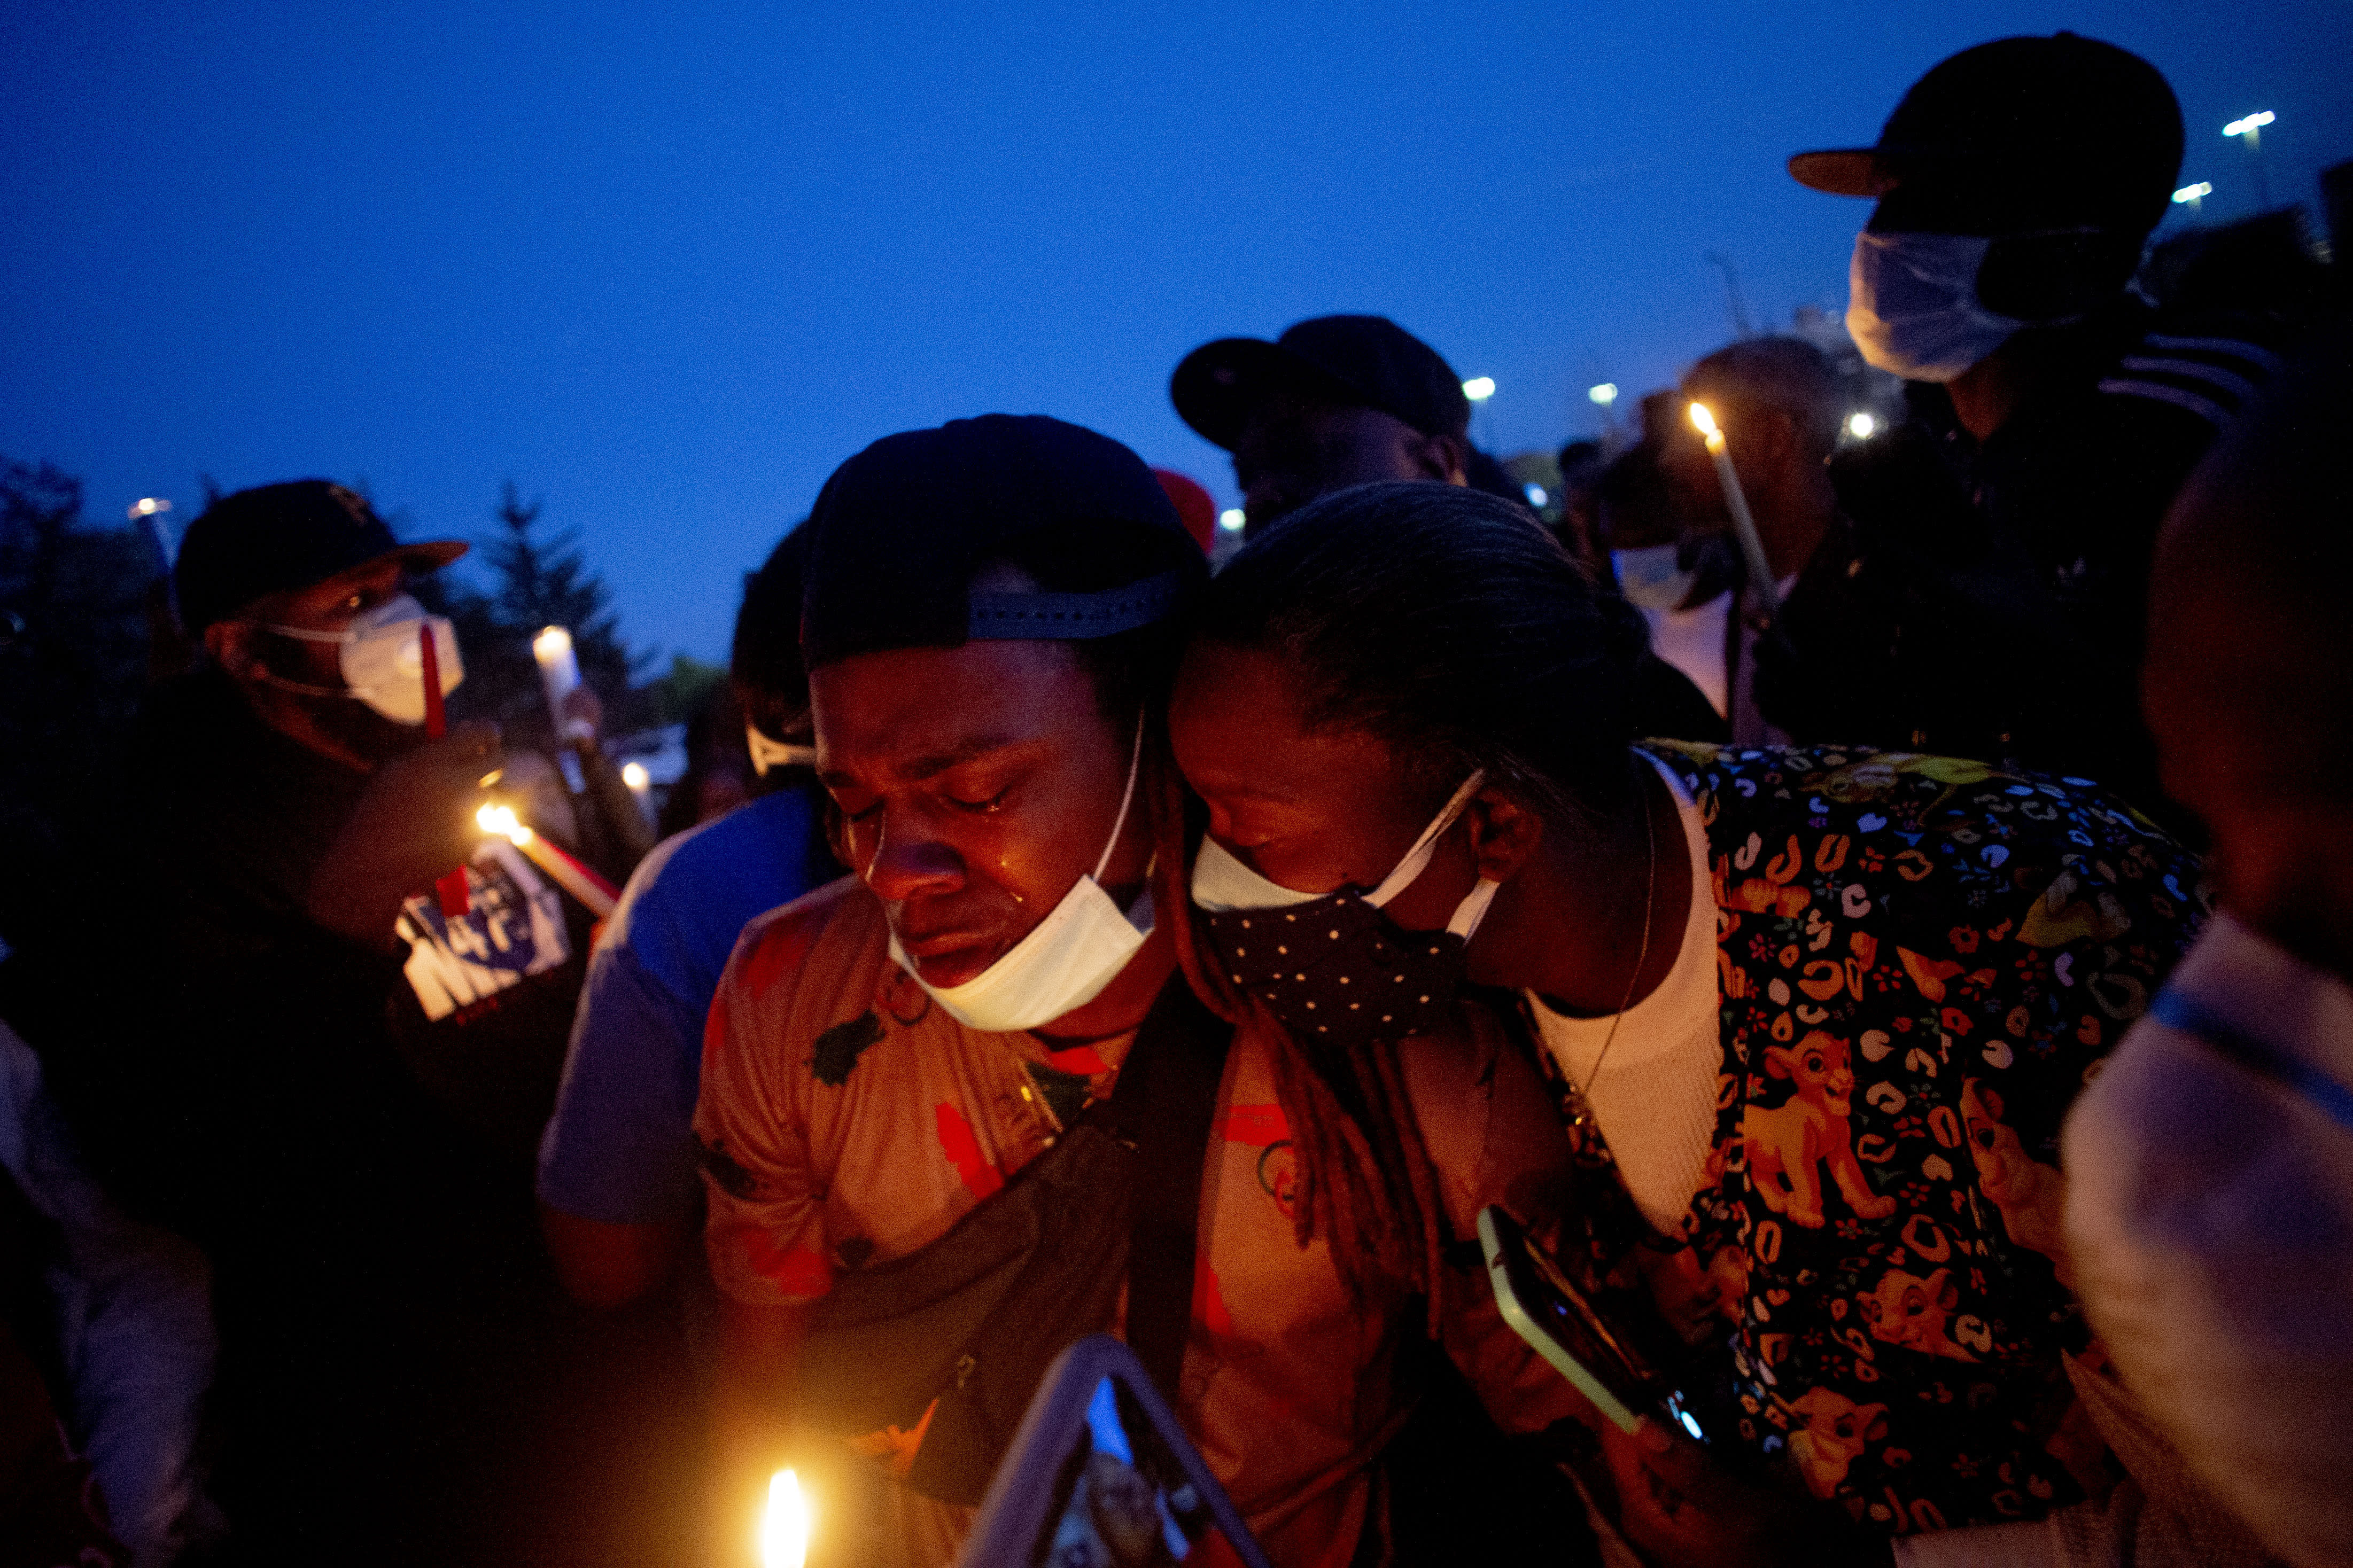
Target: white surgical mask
[[1912, 305], [1065, 963], [380, 658], [1652, 578], [1221, 883]]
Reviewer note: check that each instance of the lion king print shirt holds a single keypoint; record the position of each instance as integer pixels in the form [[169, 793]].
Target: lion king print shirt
[[1919, 962], [845, 1120]]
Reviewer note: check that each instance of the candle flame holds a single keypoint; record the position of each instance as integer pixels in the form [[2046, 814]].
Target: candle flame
[[1704, 423], [502, 819], [783, 1534]]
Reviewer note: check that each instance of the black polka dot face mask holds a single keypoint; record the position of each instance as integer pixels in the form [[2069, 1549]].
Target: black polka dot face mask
[[1335, 968]]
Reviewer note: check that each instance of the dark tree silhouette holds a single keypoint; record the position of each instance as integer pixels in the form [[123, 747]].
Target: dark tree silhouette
[[74, 605], [537, 580]]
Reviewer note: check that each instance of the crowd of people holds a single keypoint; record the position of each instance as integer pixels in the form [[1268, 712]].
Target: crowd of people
[[1873, 911]]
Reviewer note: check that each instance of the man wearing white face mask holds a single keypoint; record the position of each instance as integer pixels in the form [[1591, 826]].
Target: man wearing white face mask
[[979, 1047], [239, 1036], [2016, 185]]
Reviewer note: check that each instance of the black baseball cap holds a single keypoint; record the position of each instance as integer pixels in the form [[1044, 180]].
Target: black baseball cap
[[1356, 361], [2057, 130], [275, 537], [900, 530]]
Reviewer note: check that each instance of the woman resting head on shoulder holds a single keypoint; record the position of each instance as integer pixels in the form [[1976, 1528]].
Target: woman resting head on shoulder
[[1823, 1010]]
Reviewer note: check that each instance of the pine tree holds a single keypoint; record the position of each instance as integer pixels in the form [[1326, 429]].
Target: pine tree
[[536, 582]]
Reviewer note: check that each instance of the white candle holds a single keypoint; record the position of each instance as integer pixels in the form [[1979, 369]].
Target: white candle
[[785, 1531], [559, 675], [1744, 526]]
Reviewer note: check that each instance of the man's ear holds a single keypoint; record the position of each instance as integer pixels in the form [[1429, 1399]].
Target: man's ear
[[235, 646], [1503, 834], [1443, 457]]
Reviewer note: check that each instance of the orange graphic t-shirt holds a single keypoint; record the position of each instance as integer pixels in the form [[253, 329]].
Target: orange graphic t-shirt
[[846, 1120]]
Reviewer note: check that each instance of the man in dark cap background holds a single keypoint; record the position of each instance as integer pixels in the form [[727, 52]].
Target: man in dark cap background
[[233, 1008], [2017, 183], [1333, 402], [1341, 401]]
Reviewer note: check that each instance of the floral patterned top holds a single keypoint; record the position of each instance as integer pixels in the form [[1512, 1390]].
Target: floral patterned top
[[1920, 960]]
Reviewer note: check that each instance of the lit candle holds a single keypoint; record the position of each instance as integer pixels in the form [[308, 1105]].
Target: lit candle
[[573, 878], [785, 1531], [559, 675], [1752, 548]]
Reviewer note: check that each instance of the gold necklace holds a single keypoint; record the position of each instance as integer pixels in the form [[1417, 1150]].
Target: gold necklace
[[1642, 955]]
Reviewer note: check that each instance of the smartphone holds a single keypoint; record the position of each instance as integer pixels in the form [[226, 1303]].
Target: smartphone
[[1101, 1476], [1560, 1325]]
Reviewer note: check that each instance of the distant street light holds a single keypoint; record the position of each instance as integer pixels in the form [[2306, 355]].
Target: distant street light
[[148, 506], [1862, 426], [2251, 130], [2193, 196], [1479, 388], [1604, 394], [1232, 519]]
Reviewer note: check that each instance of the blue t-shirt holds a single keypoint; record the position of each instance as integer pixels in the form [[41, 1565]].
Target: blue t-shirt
[[620, 1147]]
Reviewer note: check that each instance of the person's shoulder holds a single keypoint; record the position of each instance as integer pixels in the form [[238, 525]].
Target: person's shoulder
[[843, 918], [724, 848], [2196, 372], [1913, 826], [727, 869]]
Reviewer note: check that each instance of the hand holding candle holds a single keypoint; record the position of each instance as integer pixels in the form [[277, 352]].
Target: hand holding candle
[[1744, 526], [413, 823], [568, 873]]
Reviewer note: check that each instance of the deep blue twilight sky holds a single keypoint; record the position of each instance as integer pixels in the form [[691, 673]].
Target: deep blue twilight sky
[[665, 266]]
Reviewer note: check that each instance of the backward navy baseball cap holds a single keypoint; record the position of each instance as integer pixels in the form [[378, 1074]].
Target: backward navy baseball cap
[[273, 537], [901, 530]]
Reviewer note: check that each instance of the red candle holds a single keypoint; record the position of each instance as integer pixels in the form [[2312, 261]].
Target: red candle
[[455, 895]]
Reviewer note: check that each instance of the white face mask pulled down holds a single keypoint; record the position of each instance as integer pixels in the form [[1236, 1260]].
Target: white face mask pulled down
[[1913, 307], [1064, 963], [380, 658]]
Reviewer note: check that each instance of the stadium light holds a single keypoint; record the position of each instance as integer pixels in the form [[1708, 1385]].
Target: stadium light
[[1605, 395], [1479, 388]]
